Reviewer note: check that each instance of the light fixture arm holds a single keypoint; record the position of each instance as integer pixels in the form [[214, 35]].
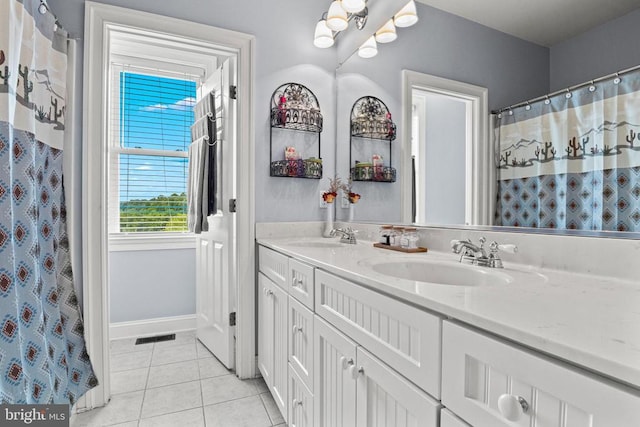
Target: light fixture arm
[[360, 18]]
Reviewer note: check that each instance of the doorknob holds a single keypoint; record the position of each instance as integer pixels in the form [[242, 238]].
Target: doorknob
[[512, 407], [354, 373], [345, 362]]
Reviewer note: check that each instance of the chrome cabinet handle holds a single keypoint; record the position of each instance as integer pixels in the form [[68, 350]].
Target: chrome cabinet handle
[[297, 402], [512, 407], [267, 292], [296, 281], [297, 328]]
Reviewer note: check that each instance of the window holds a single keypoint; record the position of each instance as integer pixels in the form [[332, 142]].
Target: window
[[151, 113]]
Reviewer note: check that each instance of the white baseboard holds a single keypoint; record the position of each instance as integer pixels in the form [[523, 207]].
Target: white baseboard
[[150, 327]]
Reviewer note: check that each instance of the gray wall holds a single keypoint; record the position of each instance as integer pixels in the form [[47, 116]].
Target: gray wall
[[151, 284], [611, 47]]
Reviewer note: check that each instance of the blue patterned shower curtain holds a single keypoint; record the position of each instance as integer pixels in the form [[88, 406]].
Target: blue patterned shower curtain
[[43, 358], [572, 161]]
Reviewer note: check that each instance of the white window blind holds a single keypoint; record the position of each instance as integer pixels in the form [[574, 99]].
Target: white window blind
[[151, 112]]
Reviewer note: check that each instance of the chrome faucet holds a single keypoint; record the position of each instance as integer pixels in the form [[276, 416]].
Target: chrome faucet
[[348, 235], [477, 255]]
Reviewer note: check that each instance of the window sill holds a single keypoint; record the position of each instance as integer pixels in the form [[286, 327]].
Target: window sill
[[128, 242]]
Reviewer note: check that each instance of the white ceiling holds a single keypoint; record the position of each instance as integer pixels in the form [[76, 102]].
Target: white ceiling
[[545, 22]]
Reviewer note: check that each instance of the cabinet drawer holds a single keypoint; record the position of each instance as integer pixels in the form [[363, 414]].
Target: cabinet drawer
[[274, 265], [300, 402], [478, 370], [301, 341], [301, 282], [404, 337]]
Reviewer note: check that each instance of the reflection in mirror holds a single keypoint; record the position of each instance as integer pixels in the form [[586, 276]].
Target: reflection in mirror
[[572, 161], [442, 44]]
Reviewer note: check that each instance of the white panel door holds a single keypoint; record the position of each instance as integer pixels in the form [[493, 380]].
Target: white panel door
[[387, 399], [216, 258], [334, 390]]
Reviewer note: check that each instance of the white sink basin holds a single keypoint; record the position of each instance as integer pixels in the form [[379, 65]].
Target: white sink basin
[[438, 272]]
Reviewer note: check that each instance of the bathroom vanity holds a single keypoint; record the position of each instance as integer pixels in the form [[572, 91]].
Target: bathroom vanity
[[347, 337]]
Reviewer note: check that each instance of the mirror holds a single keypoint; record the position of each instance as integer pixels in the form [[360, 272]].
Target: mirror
[[441, 44]]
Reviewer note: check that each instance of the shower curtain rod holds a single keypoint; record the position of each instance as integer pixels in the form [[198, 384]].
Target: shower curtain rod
[[44, 8], [569, 89]]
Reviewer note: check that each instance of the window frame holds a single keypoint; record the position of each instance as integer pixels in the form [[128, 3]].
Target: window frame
[[122, 240]]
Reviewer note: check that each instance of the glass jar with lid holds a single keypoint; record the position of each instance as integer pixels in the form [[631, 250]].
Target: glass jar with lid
[[410, 238], [384, 234]]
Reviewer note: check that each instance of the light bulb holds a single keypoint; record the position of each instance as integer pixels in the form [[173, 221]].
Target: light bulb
[[353, 6], [387, 33], [337, 17], [407, 16], [369, 49], [323, 37]]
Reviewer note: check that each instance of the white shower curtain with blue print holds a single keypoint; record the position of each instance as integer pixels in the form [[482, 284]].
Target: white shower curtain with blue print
[[43, 357], [572, 161]]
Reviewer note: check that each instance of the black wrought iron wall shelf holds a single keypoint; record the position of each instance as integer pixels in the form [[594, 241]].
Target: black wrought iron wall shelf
[[371, 119], [294, 107]]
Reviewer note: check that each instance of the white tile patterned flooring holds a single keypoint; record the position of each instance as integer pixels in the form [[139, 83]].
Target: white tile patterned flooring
[[178, 383]]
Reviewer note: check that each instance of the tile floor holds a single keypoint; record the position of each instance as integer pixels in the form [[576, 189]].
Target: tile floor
[[178, 383]]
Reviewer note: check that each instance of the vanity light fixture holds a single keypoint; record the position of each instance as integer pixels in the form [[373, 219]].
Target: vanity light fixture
[[369, 49], [407, 16], [353, 6], [387, 33], [337, 19], [323, 36]]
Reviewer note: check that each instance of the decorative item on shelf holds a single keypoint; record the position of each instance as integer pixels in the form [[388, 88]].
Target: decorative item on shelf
[[370, 118], [295, 107]]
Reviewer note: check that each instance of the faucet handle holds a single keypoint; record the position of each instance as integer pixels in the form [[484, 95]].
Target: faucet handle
[[509, 248]]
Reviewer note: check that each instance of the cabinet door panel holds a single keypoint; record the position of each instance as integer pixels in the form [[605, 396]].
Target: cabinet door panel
[[265, 330], [404, 337], [386, 399], [272, 339], [478, 369], [300, 402], [301, 282], [301, 341], [448, 419], [334, 391]]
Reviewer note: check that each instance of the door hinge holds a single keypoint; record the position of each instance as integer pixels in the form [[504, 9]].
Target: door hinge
[[233, 92], [232, 205], [232, 318]]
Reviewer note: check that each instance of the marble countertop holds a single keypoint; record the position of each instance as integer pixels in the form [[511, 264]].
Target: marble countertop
[[587, 320]]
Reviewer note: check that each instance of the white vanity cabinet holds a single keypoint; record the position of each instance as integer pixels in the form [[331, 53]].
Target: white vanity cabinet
[[489, 382], [404, 337]]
